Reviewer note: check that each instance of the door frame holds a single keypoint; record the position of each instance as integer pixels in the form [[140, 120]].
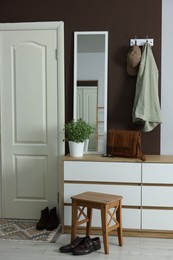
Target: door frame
[[59, 28]]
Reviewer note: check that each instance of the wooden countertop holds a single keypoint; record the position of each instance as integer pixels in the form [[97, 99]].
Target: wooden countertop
[[99, 158]]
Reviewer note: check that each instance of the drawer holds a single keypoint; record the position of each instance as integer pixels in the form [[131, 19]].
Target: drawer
[[131, 194], [157, 219], [102, 171], [157, 173], [157, 196], [130, 218]]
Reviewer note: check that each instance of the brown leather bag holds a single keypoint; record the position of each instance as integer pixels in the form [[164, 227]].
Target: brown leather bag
[[125, 143]]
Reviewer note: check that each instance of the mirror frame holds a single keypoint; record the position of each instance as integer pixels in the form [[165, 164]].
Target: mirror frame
[[103, 146]]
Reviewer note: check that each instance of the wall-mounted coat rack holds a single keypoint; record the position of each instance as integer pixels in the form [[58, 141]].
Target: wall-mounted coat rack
[[141, 42]]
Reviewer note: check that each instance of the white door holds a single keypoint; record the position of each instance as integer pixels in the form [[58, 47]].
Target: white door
[[87, 109], [30, 126]]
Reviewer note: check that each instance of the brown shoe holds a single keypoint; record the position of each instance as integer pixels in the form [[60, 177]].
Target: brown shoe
[[53, 220], [75, 243], [88, 246], [43, 219]]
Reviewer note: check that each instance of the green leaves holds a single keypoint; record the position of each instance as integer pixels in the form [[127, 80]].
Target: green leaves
[[77, 131]]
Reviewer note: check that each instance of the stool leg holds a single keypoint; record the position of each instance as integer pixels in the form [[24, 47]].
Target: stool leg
[[119, 219], [105, 228], [74, 220], [89, 216]]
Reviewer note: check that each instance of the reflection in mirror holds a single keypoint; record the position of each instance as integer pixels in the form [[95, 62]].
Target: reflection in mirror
[[87, 107], [90, 85]]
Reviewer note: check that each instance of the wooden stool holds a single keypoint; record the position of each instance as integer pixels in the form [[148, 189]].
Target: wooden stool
[[101, 201]]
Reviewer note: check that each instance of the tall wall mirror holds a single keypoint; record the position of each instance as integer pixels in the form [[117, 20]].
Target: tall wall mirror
[[90, 85]]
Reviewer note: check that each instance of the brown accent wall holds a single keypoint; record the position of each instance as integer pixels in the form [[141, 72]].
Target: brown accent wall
[[124, 20]]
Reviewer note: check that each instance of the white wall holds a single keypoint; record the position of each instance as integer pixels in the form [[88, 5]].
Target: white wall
[[167, 78]]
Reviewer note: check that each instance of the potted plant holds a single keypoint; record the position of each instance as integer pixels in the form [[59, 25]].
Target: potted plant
[[76, 133]]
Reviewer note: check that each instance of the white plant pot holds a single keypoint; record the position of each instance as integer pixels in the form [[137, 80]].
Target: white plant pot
[[76, 149]]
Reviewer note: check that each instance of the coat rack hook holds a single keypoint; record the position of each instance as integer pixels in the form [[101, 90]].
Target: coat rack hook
[[135, 40], [141, 42]]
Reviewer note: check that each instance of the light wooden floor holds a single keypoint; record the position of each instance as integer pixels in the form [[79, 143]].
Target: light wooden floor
[[133, 249]]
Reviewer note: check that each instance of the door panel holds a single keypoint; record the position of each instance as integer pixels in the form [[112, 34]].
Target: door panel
[[29, 168], [31, 86], [29, 126]]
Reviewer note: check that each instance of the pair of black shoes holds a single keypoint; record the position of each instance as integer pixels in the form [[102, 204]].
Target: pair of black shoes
[[48, 220], [82, 246]]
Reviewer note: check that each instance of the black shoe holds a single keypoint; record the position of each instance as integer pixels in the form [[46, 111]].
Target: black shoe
[[88, 246], [43, 219], [53, 220], [75, 243]]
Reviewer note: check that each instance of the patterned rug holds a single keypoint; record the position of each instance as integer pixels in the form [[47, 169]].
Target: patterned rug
[[25, 230]]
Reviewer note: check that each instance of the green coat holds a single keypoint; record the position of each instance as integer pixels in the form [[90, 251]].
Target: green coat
[[146, 108]]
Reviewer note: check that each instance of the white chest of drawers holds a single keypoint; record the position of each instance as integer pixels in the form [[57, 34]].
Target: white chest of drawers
[[157, 196], [146, 187]]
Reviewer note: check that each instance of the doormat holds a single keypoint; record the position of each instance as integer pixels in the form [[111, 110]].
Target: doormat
[[25, 230]]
